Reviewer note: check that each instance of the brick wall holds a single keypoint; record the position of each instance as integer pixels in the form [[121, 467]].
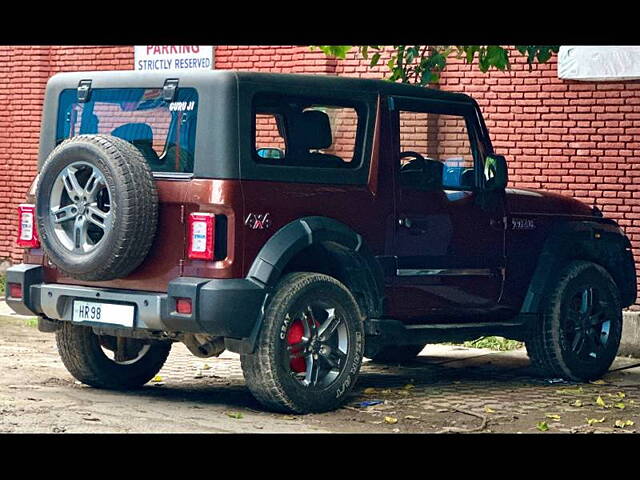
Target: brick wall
[[575, 138], [24, 71]]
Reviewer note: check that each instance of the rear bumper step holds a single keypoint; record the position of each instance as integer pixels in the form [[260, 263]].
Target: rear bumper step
[[226, 308]]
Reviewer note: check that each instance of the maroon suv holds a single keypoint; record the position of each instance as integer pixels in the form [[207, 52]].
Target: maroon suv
[[303, 222]]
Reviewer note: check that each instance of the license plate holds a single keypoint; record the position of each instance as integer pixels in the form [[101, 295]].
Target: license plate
[[111, 313]]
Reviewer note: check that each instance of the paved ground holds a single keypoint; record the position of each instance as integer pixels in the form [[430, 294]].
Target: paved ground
[[447, 389]]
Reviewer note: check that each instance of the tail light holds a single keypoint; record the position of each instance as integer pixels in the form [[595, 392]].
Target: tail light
[[15, 290], [201, 234], [27, 234], [183, 306]]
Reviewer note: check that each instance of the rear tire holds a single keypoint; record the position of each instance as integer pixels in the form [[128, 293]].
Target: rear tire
[[310, 347], [83, 354], [579, 334], [397, 355]]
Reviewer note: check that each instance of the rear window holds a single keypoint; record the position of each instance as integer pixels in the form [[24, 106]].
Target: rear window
[[304, 131], [163, 131]]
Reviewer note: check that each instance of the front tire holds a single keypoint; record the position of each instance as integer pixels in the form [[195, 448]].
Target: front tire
[[579, 334], [310, 347], [87, 357]]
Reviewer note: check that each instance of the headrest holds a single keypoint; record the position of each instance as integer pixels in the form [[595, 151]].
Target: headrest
[[134, 132], [310, 130]]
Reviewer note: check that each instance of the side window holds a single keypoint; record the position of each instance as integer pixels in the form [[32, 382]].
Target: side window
[[295, 131], [435, 151]]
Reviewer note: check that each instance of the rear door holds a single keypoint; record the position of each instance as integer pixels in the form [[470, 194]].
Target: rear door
[[449, 235], [164, 131]]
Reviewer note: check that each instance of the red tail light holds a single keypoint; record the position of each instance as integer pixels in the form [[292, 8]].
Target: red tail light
[[15, 290], [201, 233], [27, 233], [183, 306]]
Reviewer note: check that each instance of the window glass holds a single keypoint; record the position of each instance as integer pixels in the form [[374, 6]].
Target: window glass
[[297, 131], [435, 151], [163, 131]]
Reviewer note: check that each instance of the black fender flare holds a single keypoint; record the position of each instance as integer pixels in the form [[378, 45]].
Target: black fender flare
[[302, 233], [272, 259], [603, 243]]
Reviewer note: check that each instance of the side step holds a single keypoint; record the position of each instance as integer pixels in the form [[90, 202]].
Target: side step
[[395, 332]]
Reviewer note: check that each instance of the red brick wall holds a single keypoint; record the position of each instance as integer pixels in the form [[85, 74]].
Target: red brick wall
[[575, 138], [24, 71]]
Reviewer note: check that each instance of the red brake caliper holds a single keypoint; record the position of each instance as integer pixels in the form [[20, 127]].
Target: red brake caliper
[[296, 332]]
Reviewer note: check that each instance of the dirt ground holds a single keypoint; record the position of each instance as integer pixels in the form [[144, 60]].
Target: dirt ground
[[447, 389]]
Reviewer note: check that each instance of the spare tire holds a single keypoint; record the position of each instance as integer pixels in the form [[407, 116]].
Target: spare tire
[[97, 207]]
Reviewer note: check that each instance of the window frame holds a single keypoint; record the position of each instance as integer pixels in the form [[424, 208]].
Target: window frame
[[171, 127], [249, 169], [358, 108], [440, 107]]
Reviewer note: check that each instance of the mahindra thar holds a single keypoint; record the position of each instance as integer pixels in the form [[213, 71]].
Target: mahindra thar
[[303, 222]]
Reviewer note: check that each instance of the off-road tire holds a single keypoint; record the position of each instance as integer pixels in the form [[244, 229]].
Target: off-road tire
[[548, 342], [82, 355], [397, 354], [265, 371], [134, 206]]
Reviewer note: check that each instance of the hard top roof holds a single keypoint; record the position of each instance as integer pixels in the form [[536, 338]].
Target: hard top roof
[[106, 79]]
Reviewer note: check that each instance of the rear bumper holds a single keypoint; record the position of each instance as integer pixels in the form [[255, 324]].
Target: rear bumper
[[228, 308]]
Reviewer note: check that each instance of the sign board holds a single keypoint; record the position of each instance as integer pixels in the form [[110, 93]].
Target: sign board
[[151, 58], [599, 63]]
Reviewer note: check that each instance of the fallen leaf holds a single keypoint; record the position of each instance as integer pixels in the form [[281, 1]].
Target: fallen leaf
[[552, 416], [411, 417], [404, 392], [591, 421], [489, 410], [157, 378], [391, 420], [577, 403], [206, 366], [289, 417], [619, 405], [236, 415], [599, 382], [570, 391], [621, 394], [369, 391], [542, 426], [624, 423], [409, 386], [600, 402]]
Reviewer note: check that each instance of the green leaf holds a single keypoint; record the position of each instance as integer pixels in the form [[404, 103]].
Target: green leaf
[[591, 421], [624, 423], [236, 415], [542, 426], [374, 60]]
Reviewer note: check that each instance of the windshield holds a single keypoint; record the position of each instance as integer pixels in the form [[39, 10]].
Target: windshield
[[163, 131]]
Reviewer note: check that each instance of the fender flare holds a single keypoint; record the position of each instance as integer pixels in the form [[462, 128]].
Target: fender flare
[[293, 238], [601, 243], [302, 233]]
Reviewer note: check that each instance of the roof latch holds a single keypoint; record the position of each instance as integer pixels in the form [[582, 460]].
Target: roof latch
[[169, 90], [84, 91]]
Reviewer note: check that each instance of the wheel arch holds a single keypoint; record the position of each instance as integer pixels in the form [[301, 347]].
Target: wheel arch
[[322, 245], [601, 243]]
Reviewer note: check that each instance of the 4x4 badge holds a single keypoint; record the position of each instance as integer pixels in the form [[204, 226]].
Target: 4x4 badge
[[257, 221]]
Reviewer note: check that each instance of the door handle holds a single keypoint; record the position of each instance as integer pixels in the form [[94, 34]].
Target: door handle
[[410, 225]]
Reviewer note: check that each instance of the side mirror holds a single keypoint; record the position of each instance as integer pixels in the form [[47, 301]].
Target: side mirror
[[496, 174]]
